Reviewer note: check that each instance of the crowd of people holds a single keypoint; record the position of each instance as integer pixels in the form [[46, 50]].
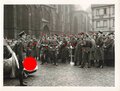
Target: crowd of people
[[85, 50], [82, 50]]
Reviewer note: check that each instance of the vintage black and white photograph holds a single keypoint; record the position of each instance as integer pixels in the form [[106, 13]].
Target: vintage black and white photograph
[[59, 45]]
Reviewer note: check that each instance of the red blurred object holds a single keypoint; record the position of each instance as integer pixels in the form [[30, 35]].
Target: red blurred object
[[81, 33], [30, 63]]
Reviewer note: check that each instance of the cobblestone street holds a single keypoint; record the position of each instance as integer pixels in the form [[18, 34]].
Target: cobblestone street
[[67, 75]]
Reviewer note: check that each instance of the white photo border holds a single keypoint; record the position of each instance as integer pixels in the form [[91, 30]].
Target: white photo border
[[66, 88]]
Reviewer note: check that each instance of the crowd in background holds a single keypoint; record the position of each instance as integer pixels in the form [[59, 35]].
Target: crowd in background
[[84, 49]]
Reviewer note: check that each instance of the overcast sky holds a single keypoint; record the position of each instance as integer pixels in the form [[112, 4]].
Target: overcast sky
[[86, 3]]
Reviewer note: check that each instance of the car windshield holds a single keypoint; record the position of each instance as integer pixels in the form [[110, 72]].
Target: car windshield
[[7, 53]]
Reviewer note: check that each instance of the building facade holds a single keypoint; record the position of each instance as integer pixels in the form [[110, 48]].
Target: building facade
[[64, 18], [80, 22], [103, 17], [34, 19]]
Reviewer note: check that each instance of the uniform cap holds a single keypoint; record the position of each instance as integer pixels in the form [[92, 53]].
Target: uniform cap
[[100, 32], [111, 33], [21, 33]]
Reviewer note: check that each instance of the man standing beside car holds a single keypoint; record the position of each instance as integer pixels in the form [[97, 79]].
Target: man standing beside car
[[19, 52]]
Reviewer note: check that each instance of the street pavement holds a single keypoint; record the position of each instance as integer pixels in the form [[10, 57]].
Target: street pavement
[[67, 75]]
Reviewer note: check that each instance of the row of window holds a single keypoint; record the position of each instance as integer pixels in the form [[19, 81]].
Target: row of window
[[101, 24], [104, 23], [105, 11]]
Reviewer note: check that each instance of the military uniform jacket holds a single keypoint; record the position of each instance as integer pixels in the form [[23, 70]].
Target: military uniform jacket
[[99, 53], [19, 52]]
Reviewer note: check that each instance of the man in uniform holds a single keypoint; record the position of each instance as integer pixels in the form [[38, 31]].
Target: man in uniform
[[20, 50], [99, 49], [73, 44], [53, 51], [45, 51], [92, 50], [64, 51], [78, 51], [86, 46], [34, 48], [109, 50]]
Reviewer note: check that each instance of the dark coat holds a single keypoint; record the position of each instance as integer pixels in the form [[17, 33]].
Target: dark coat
[[109, 49], [64, 51], [99, 53], [19, 52], [86, 48], [29, 50], [78, 52], [34, 49], [92, 50]]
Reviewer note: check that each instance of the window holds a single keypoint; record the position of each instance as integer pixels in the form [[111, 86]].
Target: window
[[105, 23], [105, 11], [113, 24], [101, 23], [97, 12], [113, 10], [97, 24]]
